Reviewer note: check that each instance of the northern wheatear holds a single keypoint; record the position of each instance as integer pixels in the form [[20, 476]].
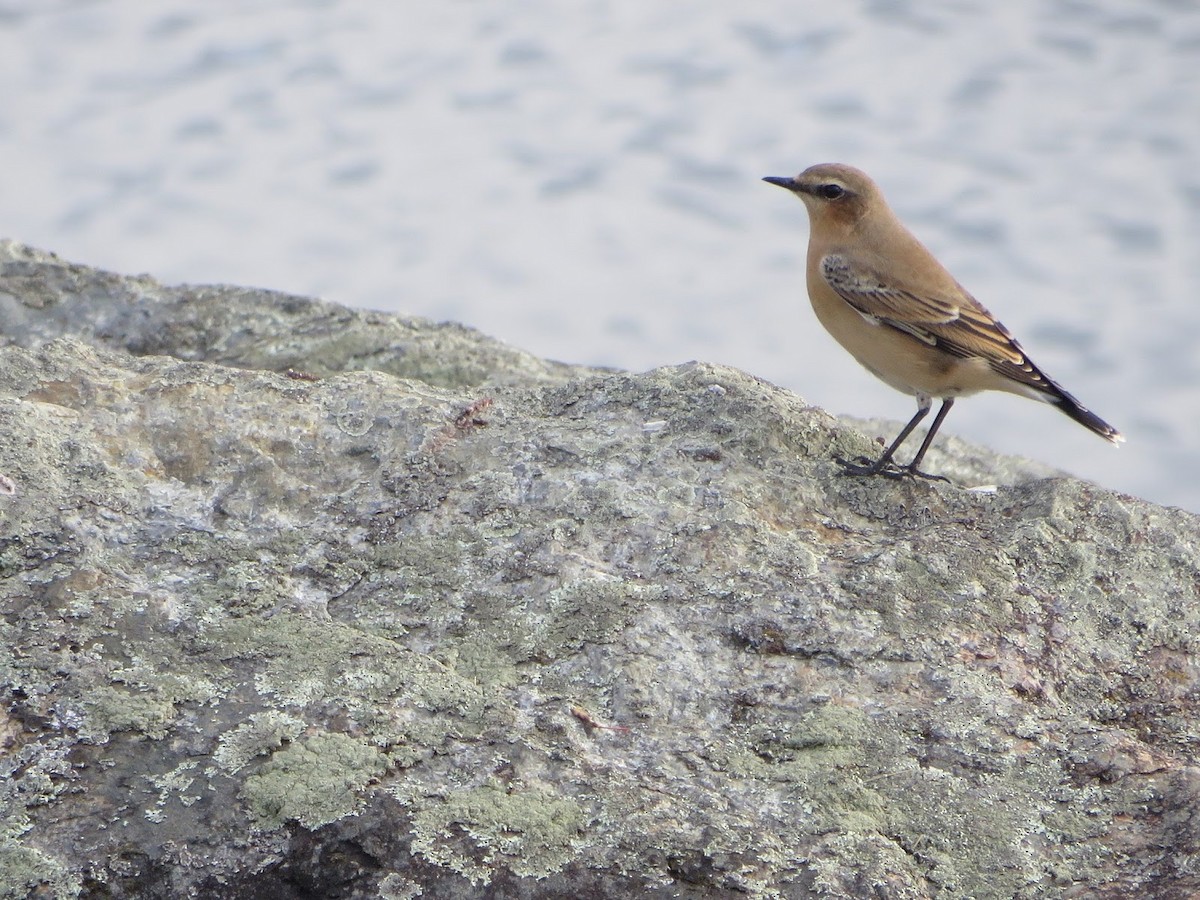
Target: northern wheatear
[[885, 298]]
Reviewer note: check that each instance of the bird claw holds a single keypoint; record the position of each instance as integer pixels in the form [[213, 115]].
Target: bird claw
[[910, 472]]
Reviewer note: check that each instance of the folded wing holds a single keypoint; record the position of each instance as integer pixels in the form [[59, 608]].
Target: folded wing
[[958, 325]]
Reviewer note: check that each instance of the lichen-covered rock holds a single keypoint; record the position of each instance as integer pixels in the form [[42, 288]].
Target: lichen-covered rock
[[505, 628], [43, 297]]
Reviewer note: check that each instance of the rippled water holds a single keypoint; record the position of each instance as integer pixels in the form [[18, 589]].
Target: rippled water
[[582, 180]]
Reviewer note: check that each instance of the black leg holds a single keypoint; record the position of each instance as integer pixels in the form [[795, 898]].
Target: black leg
[[912, 467], [882, 464]]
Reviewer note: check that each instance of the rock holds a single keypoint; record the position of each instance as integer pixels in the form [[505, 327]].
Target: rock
[[431, 617], [43, 297]]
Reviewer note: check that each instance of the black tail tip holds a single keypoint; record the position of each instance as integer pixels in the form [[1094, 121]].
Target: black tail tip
[[1090, 420]]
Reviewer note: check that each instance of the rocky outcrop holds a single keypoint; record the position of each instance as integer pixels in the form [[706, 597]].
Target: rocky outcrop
[[298, 601]]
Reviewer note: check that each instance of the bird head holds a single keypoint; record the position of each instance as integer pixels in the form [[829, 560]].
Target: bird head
[[833, 192]]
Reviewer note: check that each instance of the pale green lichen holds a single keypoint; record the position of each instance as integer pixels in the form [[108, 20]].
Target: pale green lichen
[[27, 872], [262, 733], [474, 831], [381, 684], [315, 781], [142, 699], [182, 784], [113, 707]]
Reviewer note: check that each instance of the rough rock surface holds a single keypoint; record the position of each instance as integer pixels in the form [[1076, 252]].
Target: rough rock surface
[[428, 617]]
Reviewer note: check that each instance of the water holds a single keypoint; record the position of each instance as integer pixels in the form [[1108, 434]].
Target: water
[[582, 180]]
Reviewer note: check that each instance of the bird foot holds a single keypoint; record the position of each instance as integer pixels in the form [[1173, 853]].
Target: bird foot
[[866, 467]]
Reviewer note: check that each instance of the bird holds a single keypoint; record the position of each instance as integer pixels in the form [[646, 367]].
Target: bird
[[888, 301]]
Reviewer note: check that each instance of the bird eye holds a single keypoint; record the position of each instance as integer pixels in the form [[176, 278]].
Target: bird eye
[[831, 191]]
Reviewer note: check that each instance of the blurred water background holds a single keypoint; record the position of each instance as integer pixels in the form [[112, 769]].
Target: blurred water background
[[581, 179]]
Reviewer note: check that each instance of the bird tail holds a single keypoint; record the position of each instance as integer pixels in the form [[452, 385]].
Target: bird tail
[[1083, 415], [1035, 383]]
